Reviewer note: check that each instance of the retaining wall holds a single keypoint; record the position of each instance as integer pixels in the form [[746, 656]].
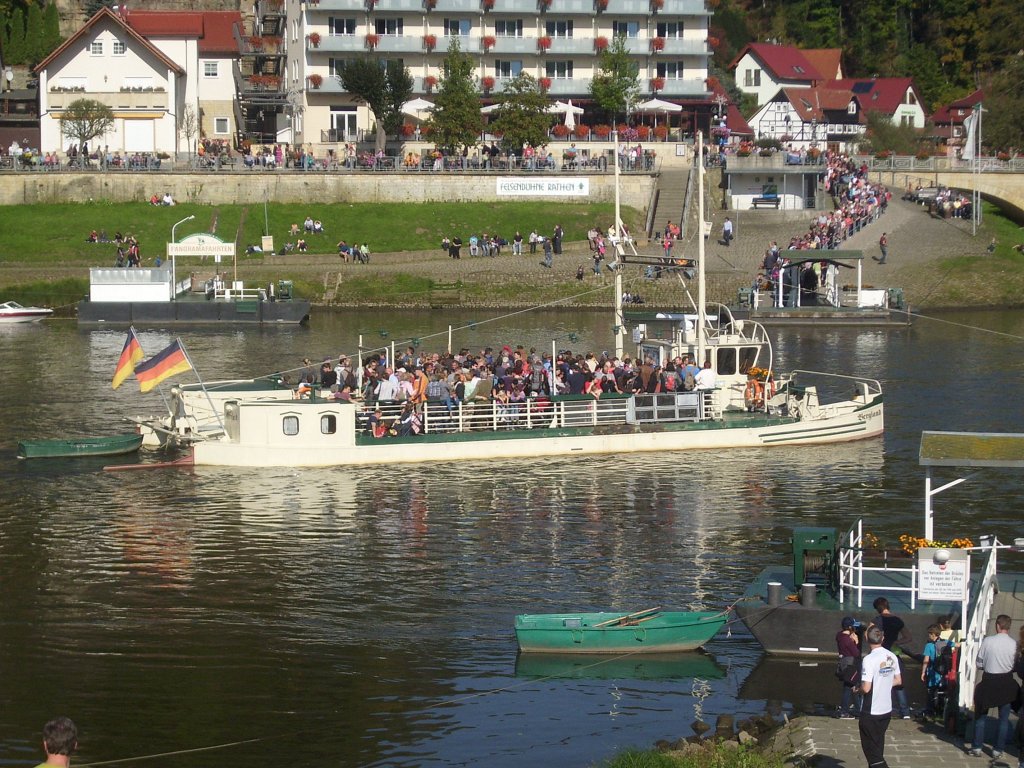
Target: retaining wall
[[252, 187]]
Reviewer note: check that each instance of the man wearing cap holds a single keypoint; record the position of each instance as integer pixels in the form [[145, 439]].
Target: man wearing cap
[[880, 671], [848, 669]]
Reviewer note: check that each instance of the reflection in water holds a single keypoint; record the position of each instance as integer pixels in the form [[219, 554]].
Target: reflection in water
[[364, 617]]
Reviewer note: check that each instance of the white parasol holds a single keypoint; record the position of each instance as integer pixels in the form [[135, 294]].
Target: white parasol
[[570, 117], [414, 107], [658, 105]]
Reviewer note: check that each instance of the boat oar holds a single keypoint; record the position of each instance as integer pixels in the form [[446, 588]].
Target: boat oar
[[627, 617]]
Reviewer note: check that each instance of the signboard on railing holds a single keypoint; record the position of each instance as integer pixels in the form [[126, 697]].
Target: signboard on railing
[[942, 574]]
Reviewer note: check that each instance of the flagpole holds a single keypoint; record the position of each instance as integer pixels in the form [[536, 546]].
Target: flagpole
[[201, 384]]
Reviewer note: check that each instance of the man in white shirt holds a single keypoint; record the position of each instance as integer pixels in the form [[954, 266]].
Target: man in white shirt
[[880, 671], [706, 378], [997, 688]]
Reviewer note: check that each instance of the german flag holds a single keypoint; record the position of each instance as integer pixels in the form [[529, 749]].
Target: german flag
[[130, 356], [163, 365]]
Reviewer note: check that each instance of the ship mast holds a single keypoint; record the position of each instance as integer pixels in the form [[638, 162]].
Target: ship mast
[[620, 328], [701, 312]]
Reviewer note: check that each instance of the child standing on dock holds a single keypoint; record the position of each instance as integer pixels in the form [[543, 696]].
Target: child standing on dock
[[930, 675]]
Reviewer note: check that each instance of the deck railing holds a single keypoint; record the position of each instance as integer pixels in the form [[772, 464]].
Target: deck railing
[[981, 607], [565, 411]]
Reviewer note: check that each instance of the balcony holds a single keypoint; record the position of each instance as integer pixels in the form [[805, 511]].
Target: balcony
[[677, 47], [683, 8], [116, 100], [331, 84], [339, 44], [571, 6], [336, 5], [457, 6], [628, 8], [690, 87], [517, 7], [399, 6], [569, 87], [508, 45], [467, 44], [403, 44], [568, 45]]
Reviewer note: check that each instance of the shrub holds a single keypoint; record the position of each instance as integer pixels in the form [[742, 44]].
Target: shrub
[[561, 130], [602, 131], [643, 132], [581, 131], [661, 132]]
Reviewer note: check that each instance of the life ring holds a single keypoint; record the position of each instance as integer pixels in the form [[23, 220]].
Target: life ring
[[753, 396]]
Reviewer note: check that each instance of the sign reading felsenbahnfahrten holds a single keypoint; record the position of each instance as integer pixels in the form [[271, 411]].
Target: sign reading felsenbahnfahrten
[[550, 186]]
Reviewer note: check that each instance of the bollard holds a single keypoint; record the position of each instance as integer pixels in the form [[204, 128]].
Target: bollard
[[808, 595], [775, 596]]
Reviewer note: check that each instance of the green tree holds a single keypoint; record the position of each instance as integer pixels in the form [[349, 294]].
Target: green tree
[[616, 85], [523, 117], [86, 119], [882, 134], [1001, 125], [51, 28], [456, 121], [34, 42], [15, 52], [382, 88]]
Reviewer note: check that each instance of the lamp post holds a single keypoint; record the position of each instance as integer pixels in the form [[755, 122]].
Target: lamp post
[[9, 78], [174, 277]]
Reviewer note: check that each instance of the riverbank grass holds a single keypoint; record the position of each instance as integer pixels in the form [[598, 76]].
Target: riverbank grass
[[48, 233], [698, 756]]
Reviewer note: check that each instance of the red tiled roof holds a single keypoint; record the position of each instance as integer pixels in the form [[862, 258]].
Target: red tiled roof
[[106, 13], [783, 62], [213, 29], [947, 115], [883, 94], [812, 103], [736, 122], [826, 60]]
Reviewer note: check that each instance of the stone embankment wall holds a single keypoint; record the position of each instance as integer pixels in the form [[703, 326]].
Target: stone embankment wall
[[252, 187]]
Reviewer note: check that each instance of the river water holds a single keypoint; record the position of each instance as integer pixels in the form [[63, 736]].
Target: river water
[[364, 617]]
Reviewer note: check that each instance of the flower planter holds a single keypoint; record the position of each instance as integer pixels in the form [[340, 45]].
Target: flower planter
[[488, 42], [600, 43], [372, 40], [658, 44], [543, 43]]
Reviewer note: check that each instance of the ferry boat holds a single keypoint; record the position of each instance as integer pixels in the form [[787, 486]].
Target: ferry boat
[[751, 405]]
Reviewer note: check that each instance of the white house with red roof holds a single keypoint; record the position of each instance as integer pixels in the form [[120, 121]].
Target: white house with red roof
[[761, 69], [146, 66], [895, 97], [802, 118]]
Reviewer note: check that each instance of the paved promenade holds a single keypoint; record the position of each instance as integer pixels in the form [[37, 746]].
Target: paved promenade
[[908, 744]]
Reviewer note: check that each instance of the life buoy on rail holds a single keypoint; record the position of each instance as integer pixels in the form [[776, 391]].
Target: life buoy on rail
[[756, 391]]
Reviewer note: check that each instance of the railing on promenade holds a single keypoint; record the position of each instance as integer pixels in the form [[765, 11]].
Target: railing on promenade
[[950, 164], [363, 163]]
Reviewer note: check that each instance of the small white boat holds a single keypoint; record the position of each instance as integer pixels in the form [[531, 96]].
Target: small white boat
[[13, 312]]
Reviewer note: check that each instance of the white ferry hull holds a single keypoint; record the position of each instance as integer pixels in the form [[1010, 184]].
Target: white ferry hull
[[851, 422]]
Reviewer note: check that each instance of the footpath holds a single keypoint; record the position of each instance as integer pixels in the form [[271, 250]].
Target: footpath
[[827, 742]]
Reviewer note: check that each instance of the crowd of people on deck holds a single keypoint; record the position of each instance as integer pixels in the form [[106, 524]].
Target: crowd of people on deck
[[858, 202], [508, 377]]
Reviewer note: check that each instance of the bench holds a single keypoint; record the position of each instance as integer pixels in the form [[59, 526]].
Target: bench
[[766, 201]]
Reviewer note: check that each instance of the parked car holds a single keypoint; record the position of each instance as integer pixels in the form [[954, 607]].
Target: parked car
[[926, 195]]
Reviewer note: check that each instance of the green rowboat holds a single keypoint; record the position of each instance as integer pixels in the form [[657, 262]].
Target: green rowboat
[[79, 446], [650, 631]]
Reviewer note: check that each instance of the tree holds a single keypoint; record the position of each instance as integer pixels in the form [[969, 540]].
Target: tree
[[15, 53], [456, 121], [86, 119], [883, 134], [616, 85], [523, 117], [1001, 125], [382, 88], [51, 28], [34, 42], [188, 125]]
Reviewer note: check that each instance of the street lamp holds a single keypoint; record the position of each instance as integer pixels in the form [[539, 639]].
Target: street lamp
[[9, 77], [174, 277]]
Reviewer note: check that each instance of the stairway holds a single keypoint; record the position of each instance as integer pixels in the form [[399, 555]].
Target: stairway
[[671, 195]]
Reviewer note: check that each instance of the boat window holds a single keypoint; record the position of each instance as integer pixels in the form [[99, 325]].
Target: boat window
[[290, 425], [726, 361], [328, 424], [748, 357]]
